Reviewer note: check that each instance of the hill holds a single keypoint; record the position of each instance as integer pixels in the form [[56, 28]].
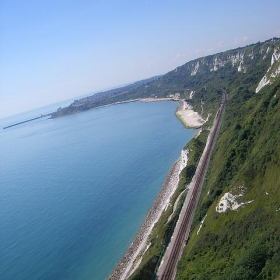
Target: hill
[[198, 80], [237, 224], [236, 228], [235, 232]]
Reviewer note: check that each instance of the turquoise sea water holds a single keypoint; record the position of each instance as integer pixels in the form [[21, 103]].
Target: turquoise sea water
[[75, 190]]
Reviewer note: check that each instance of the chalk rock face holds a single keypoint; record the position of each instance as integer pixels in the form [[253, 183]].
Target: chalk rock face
[[192, 94], [212, 63], [217, 64], [259, 62], [195, 69], [184, 159], [272, 72], [275, 56], [238, 61], [263, 82], [242, 59], [229, 200]]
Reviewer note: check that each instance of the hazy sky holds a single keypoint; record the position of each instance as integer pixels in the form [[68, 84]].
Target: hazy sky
[[56, 50]]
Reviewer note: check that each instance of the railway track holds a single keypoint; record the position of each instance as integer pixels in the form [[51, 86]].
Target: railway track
[[167, 270]]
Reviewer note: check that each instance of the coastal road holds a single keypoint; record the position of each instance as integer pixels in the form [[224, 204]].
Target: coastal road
[[167, 269]]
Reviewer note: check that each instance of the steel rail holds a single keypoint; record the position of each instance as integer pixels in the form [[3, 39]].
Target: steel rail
[[167, 271]]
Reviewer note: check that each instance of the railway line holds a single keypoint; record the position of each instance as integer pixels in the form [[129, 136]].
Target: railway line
[[167, 270]]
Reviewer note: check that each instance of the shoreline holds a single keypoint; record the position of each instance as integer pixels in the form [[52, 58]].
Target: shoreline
[[132, 258], [189, 117], [126, 265], [145, 100], [185, 112]]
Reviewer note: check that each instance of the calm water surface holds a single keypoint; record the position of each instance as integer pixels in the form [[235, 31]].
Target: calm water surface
[[75, 190]]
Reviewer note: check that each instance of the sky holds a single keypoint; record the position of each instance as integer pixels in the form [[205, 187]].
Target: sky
[[57, 50]]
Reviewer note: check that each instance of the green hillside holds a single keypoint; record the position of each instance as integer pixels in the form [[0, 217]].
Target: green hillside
[[243, 240], [242, 243], [236, 229], [198, 80]]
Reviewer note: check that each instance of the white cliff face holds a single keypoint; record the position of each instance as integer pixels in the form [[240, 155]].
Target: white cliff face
[[241, 67], [218, 63], [266, 53], [263, 82], [272, 72], [195, 69], [268, 50], [192, 94], [251, 55], [229, 201], [275, 56], [276, 73], [184, 159], [239, 59], [236, 59]]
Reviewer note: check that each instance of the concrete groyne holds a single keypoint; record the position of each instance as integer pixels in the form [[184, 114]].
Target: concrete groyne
[[29, 120]]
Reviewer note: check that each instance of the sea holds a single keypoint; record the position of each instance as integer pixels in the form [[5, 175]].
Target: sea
[[76, 189]]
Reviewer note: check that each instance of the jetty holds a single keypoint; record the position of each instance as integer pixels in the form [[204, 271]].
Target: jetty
[[29, 120]]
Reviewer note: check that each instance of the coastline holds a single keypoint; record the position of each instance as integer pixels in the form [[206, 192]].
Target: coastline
[[185, 112], [139, 244], [145, 100], [132, 258]]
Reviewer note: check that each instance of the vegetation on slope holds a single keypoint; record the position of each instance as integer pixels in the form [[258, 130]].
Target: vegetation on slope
[[245, 243], [241, 244]]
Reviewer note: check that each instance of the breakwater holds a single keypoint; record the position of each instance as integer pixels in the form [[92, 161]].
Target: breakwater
[[29, 120]]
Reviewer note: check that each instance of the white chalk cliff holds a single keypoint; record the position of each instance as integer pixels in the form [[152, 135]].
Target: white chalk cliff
[[272, 72], [229, 201]]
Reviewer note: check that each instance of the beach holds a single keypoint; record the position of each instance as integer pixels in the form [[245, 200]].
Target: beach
[[185, 112], [188, 116]]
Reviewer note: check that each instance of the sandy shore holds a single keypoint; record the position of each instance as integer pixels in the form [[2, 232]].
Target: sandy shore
[[190, 118], [185, 112]]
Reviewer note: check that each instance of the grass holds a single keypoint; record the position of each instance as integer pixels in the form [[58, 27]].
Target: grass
[[248, 152]]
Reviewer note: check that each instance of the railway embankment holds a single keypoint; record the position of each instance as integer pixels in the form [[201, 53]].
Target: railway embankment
[[167, 269]]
